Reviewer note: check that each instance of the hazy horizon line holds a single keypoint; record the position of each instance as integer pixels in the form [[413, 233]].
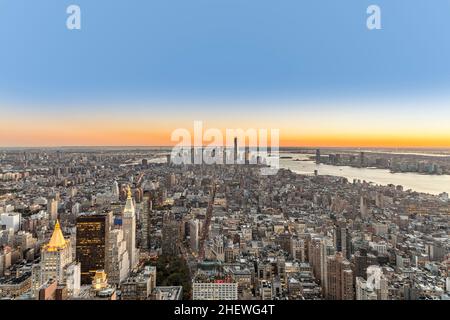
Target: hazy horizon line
[[171, 146]]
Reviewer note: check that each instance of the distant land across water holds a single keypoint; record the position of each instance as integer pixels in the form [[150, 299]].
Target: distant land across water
[[432, 184]]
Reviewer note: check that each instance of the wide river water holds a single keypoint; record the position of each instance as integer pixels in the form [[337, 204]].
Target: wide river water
[[433, 184]]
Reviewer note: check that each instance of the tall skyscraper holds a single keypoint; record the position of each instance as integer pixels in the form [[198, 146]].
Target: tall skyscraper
[[364, 206], [339, 278], [53, 209], [318, 156], [247, 155], [319, 249], [92, 230], [235, 149], [117, 260], [342, 238], [129, 228], [55, 256], [145, 220], [115, 191], [362, 160]]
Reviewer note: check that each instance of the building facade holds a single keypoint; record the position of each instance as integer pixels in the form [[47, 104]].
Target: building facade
[[92, 230]]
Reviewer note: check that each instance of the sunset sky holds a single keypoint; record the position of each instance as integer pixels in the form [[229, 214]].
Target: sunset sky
[[137, 70]]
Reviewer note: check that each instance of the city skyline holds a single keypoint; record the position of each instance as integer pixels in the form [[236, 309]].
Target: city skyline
[[95, 225]]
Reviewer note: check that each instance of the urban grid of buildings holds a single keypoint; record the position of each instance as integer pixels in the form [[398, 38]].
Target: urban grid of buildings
[[96, 223]]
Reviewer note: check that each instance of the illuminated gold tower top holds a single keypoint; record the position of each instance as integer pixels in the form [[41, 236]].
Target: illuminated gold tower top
[[129, 206], [100, 280], [128, 192], [57, 240]]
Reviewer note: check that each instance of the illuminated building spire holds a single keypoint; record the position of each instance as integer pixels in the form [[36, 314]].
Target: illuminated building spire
[[129, 228], [55, 256], [129, 206], [128, 193], [57, 240]]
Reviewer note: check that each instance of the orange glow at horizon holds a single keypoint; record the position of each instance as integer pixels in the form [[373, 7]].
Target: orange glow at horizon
[[391, 125], [296, 130], [393, 140], [160, 135]]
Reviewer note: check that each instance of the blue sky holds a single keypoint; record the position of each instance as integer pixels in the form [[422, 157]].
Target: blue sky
[[182, 50]]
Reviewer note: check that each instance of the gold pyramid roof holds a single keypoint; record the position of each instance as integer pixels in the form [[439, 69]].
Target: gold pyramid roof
[[57, 240]]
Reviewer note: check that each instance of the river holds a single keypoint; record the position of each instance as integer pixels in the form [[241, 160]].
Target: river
[[433, 184]]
